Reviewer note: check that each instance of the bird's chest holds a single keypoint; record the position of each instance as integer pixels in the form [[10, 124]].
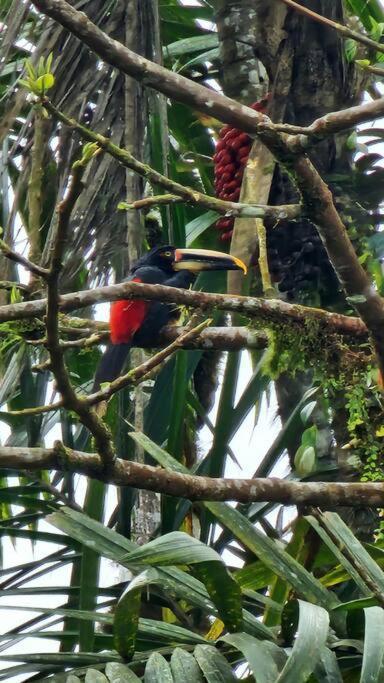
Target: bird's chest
[[125, 319]]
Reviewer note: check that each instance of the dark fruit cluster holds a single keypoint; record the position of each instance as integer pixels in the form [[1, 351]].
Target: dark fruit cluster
[[298, 260], [230, 159]]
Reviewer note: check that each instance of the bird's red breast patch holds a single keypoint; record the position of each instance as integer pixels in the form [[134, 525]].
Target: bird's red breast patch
[[126, 318]]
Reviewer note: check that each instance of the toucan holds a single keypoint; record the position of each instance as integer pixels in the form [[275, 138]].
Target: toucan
[[138, 322]]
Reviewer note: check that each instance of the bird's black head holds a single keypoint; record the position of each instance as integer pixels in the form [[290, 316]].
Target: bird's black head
[[159, 257], [170, 259]]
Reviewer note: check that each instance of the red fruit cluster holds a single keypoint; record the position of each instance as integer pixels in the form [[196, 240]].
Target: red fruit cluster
[[230, 159]]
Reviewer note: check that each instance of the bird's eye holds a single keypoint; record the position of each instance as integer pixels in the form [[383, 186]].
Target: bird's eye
[[167, 254]]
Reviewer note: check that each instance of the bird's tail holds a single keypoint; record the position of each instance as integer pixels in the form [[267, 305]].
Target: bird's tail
[[111, 364]]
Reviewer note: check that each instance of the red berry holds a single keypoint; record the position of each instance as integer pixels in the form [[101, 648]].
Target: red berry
[[232, 133], [245, 139], [243, 152], [230, 168], [223, 131], [220, 145], [234, 195], [233, 185], [226, 236]]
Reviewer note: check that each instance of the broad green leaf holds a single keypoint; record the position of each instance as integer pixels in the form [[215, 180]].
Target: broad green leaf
[[198, 225], [45, 82], [95, 676], [184, 667], [126, 621], [157, 670], [357, 555], [119, 673], [310, 639], [265, 548], [272, 555], [188, 45], [327, 670], [127, 624], [373, 657], [361, 603], [180, 548], [264, 659], [337, 551], [213, 665]]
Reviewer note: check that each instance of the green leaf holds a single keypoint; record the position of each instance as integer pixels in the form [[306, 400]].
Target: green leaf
[[126, 621], [360, 603], [336, 549], [157, 670], [119, 673], [184, 667], [213, 665], [305, 460], [44, 83], [350, 47], [310, 639], [265, 659], [180, 548], [373, 656], [194, 44], [30, 70], [95, 676], [270, 552], [195, 228], [344, 537]]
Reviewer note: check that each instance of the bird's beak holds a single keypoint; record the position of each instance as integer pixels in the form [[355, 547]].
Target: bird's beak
[[196, 260]]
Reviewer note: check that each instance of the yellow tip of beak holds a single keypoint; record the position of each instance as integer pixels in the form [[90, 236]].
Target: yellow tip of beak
[[240, 263]]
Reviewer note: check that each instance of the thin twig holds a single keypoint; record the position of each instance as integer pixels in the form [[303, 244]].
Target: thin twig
[[140, 374], [181, 192], [22, 260], [71, 401], [241, 209], [35, 187], [340, 28]]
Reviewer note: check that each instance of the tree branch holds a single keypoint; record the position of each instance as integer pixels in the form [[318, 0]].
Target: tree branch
[[179, 192], [70, 400], [213, 339], [143, 371], [340, 28], [329, 124], [272, 310], [186, 91], [22, 260], [129, 473]]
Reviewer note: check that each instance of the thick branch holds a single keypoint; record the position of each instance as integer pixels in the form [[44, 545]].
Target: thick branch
[[128, 473], [151, 74], [319, 206], [184, 90], [252, 307]]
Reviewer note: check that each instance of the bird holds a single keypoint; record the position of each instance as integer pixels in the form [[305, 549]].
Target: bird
[[138, 322]]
